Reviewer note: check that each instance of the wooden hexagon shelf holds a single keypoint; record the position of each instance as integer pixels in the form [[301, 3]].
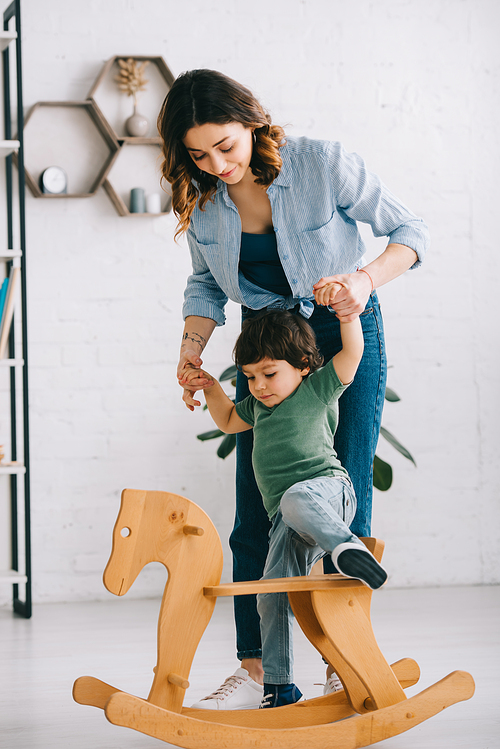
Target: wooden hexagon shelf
[[133, 159], [108, 110], [86, 123], [117, 107]]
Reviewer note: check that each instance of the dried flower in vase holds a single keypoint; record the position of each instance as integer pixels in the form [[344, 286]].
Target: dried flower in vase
[[131, 78], [130, 81]]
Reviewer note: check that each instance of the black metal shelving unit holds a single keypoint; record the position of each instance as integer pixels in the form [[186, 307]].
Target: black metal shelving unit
[[18, 467]]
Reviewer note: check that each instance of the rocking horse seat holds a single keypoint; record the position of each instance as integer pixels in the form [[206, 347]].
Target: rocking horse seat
[[333, 612], [282, 585], [295, 584]]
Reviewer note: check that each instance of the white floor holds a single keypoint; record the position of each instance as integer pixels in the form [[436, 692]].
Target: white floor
[[442, 629]]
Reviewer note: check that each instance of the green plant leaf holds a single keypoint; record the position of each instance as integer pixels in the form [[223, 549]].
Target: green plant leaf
[[396, 444], [213, 434], [229, 373], [227, 446], [382, 474], [391, 395]]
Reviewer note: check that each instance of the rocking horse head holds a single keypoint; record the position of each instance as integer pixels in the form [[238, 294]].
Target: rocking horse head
[[156, 526], [163, 527]]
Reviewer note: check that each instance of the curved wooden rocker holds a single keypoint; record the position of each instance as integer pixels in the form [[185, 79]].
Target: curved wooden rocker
[[334, 613]]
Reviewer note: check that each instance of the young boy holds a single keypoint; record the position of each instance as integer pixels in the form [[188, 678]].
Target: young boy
[[293, 409]]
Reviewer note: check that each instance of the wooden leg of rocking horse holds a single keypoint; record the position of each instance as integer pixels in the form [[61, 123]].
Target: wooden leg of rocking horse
[[362, 730], [303, 609], [93, 692], [344, 619], [338, 624]]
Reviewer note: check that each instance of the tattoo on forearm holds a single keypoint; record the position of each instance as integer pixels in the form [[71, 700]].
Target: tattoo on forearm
[[195, 338]]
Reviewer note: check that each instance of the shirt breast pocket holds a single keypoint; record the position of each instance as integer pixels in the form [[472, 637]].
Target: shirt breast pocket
[[216, 259], [206, 255], [207, 249]]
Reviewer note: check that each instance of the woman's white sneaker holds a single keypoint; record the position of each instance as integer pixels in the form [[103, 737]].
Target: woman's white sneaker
[[238, 692], [333, 684]]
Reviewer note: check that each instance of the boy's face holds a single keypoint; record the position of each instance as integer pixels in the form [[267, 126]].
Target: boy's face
[[272, 381]]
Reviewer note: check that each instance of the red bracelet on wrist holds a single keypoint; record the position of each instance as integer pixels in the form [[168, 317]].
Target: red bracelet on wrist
[[362, 270]]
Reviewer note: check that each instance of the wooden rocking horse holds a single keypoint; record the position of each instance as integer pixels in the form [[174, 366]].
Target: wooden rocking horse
[[334, 613]]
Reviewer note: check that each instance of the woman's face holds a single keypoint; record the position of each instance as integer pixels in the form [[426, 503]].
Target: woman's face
[[222, 150]]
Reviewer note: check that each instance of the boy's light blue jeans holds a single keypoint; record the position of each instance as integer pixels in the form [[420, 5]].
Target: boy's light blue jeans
[[313, 519]]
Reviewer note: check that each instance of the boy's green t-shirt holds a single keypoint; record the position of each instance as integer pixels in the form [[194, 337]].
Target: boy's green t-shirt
[[293, 441]]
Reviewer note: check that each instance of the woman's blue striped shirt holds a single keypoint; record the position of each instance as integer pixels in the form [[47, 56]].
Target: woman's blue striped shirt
[[316, 200]]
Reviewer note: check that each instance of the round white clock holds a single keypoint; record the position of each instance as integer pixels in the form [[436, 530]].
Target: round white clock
[[53, 181]]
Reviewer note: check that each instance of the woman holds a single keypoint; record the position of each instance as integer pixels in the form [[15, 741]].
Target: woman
[[270, 222]]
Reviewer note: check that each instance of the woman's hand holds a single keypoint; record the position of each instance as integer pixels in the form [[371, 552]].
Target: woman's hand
[[347, 293]]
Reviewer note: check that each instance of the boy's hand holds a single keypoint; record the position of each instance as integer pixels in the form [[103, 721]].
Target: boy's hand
[[325, 293], [190, 359], [350, 299], [194, 377]]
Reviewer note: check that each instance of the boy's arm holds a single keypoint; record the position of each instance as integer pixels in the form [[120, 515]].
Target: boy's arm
[[346, 362], [222, 409]]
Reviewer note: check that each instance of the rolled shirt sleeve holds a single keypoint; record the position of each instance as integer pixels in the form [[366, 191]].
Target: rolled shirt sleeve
[[363, 196], [203, 296]]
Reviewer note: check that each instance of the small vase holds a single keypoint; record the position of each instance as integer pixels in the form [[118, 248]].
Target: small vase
[[137, 200], [137, 125]]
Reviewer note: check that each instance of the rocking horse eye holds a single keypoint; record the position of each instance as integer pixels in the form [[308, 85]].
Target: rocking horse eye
[[125, 532]]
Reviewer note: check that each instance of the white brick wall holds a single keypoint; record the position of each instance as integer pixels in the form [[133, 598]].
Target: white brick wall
[[413, 86]]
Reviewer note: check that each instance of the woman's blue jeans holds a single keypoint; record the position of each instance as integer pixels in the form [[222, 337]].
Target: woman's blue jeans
[[360, 414]]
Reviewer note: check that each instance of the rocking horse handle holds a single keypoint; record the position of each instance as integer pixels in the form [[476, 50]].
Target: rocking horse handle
[[192, 530], [178, 681]]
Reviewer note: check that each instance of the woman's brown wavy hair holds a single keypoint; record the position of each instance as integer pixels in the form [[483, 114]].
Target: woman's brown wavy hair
[[198, 97]]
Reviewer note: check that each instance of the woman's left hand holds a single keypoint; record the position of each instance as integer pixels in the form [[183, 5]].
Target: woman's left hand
[[347, 293]]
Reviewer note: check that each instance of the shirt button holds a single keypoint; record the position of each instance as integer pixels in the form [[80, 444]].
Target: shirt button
[[285, 257], [294, 280]]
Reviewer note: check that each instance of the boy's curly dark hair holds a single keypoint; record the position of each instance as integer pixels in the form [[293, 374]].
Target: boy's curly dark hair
[[278, 335]]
